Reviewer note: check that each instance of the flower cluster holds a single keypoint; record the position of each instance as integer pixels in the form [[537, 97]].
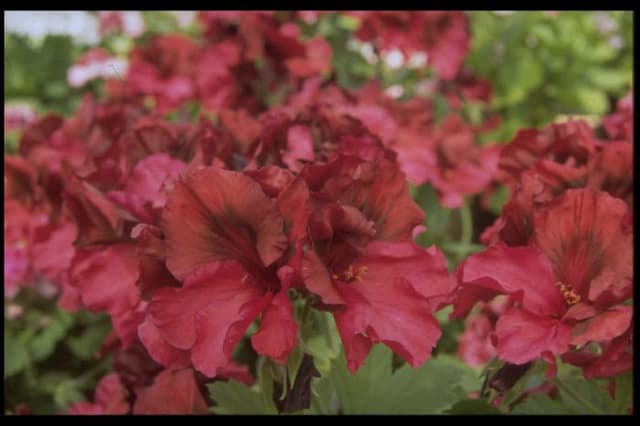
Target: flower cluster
[[188, 231], [561, 250], [226, 188]]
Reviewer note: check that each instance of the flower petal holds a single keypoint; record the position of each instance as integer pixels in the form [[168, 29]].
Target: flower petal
[[521, 337], [214, 214], [523, 272], [278, 332]]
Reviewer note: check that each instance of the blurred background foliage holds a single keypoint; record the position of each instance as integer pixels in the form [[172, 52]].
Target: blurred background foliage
[[542, 66]]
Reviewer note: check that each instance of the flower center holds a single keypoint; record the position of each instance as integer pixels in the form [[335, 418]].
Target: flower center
[[569, 294], [351, 274]]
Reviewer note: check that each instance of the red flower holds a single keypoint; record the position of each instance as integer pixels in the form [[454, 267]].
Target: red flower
[[144, 193], [172, 392], [452, 162], [563, 149], [619, 125], [163, 70], [110, 398], [569, 284], [616, 357], [363, 264], [223, 235], [389, 299]]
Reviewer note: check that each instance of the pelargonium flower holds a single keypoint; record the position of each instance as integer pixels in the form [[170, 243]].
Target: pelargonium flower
[[619, 125], [461, 167], [560, 150], [38, 236], [223, 237], [362, 264], [163, 70], [317, 133], [570, 283]]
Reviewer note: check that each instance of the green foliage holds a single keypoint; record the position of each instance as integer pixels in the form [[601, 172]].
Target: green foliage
[[50, 355], [542, 65], [578, 395], [236, 398], [377, 389], [36, 72], [473, 406]]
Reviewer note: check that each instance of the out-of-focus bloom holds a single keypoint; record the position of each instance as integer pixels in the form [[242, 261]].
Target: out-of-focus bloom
[[96, 63], [128, 23], [110, 398]]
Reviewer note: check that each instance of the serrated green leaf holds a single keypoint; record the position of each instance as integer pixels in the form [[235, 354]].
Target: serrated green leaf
[[376, 389], [473, 406], [577, 395], [236, 398]]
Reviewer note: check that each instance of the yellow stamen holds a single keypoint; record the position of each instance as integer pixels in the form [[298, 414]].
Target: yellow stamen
[[568, 293], [350, 274]]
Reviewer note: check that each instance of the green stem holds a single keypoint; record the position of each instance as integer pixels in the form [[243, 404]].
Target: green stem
[[467, 224], [326, 329]]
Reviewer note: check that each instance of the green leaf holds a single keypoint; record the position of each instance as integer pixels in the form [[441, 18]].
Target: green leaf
[[44, 343], [624, 392], [576, 396], [67, 392], [236, 398], [293, 364], [376, 389], [609, 79], [473, 406], [594, 101], [16, 356], [88, 342]]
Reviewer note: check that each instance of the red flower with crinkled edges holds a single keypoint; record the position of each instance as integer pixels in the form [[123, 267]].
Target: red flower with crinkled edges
[[362, 264], [560, 150], [38, 235], [318, 133], [223, 237], [570, 284], [163, 70], [539, 166]]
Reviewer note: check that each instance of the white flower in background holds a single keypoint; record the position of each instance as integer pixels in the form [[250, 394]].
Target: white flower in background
[[17, 116], [184, 17], [394, 59], [417, 60], [81, 26], [129, 23], [97, 63], [394, 91]]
